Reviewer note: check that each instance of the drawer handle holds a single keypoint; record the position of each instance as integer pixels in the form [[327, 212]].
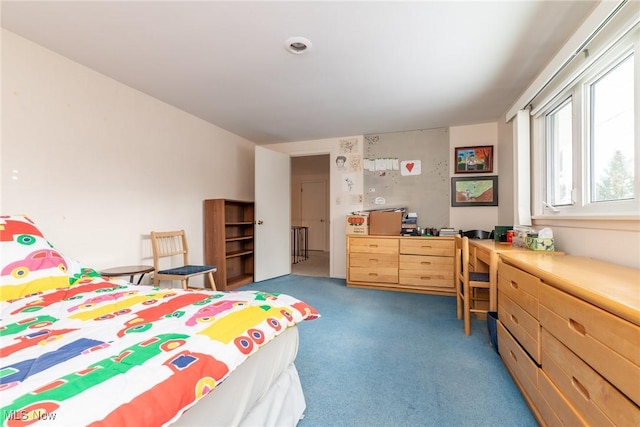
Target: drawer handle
[[373, 260], [513, 356], [577, 327], [373, 274], [514, 285], [425, 263], [425, 278], [581, 389], [514, 319], [426, 247]]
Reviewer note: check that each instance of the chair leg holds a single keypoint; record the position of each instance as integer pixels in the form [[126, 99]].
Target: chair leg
[[156, 281], [458, 306], [467, 311], [185, 284], [212, 282]]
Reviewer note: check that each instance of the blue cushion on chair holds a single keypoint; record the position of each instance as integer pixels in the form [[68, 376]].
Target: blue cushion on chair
[[187, 269], [478, 277]]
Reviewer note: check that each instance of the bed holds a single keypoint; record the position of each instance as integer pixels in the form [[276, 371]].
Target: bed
[[80, 349]]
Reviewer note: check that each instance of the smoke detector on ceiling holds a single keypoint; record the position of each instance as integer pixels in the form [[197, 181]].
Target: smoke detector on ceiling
[[297, 45]]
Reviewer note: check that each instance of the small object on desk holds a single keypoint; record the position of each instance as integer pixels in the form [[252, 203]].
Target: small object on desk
[[500, 232], [539, 244], [129, 270], [447, 232]]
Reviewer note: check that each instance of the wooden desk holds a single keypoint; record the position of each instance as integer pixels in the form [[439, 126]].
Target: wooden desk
[[486, 251], [611, 287]]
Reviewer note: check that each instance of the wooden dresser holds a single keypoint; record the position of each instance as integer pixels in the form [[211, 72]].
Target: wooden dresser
[[411, 264], [569, 334]]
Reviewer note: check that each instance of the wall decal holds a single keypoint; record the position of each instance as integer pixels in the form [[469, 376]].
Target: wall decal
[[349, 145], [410, 167]]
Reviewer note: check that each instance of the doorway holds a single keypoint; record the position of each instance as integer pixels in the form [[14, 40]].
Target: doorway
[[310, 209]]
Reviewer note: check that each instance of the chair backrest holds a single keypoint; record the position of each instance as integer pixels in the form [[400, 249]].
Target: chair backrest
[[169, 244], [478, 234], [465, 258], [462, 258], [458, 261]]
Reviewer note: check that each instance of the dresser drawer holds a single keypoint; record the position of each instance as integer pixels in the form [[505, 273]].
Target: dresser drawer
[[427, 271], [427, 246], [424, 279], [548, 414], [561, 407], [369, 245], [525, 373], [436, 264], [596, 399], [519, 363], [606, 342], [521, 324], [521, 287], [373, 275], [373, 261]]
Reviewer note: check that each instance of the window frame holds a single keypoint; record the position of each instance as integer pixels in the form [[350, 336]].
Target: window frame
[[592, 79], [550, 153], [579, 91]]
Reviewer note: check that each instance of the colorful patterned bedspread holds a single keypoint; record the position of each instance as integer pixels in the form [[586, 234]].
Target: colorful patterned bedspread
[[78, 349]]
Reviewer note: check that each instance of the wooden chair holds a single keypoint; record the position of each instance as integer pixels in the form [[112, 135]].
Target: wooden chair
[[472, 288], [173, 244], [478, 234]]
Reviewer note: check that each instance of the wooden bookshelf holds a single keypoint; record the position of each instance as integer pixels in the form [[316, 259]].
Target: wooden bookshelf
[[229, 241]]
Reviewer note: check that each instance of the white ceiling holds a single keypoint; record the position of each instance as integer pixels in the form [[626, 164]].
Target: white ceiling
[[374, 67]]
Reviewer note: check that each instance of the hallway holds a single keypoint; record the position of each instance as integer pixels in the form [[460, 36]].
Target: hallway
[[317, 264]]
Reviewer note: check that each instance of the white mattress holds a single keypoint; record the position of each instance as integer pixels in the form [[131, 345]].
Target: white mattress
[[264, 390]]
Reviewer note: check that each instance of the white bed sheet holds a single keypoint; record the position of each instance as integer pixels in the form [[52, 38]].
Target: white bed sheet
[[264, 391]]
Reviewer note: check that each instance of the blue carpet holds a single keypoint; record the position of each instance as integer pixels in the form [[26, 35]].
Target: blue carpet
[[379, 358]]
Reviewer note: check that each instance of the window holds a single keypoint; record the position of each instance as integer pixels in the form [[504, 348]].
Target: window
[[612, 149], [589, 140], [560, 140]]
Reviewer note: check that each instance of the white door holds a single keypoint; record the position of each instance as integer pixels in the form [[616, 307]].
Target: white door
[[313, 212], [273, 214]]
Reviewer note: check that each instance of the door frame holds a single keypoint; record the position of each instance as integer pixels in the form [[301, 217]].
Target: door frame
[[330, 196]]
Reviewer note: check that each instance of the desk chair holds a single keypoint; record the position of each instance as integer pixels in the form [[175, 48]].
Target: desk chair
[[472, 288], [170, 244], [478, 234]]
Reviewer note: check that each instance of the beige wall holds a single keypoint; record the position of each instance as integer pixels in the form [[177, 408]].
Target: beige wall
[[506, 159], [482, 217], [97, 164], [616, 241], [613, 241]]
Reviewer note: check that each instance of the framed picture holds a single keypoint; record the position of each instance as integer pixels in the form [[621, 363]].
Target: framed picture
[[474, 191], [474, 159]]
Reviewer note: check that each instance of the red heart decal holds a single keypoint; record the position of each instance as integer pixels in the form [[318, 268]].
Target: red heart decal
[[409, 166]]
